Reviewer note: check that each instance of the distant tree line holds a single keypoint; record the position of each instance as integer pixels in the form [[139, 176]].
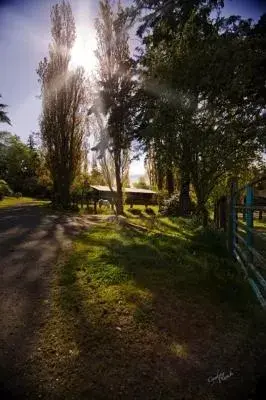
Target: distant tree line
[[22, 166]]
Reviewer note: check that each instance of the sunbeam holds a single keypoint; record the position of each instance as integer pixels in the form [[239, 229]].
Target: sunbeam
[[83, 51]]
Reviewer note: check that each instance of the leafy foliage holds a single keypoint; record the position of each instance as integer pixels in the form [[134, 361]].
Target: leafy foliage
[[115, 102], [21, 166], [96, 177], [3, 114], [4, 189], [205, 108], [141, 183], [170, 207]]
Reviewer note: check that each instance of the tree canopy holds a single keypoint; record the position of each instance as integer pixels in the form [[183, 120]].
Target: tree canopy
[[21, 165], [206, 109]]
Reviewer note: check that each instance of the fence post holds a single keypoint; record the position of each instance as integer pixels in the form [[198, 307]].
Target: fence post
[[249, 218], [232, 216]]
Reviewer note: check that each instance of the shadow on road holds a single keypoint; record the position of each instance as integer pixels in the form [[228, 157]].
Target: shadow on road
[[31, 238]]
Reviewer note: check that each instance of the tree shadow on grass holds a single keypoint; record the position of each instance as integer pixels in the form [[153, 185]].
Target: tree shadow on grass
[[135, 211], [140, 316], [31, 239]]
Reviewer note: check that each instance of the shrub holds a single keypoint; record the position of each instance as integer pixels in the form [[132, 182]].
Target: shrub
[[135, 211], [149, 211], [170, 207], [4, 189], [18, 195]]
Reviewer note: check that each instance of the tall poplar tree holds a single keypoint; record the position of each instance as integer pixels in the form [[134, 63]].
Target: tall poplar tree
[[64, 105], [117, 90]]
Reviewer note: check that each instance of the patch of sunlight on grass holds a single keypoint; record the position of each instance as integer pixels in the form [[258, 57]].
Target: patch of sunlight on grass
[[133, 294], [110, 294], [13, 201], [109, 274], [260, 223], [163, 226], [127, 293], [257, 222], [179, 350]]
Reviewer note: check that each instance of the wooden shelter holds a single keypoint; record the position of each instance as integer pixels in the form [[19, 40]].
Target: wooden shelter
[[133, 196]]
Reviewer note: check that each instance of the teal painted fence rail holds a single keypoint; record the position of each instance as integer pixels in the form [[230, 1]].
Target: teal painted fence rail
[[246, 243]]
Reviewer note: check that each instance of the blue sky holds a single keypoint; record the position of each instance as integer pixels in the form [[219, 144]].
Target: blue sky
[[24, 39]]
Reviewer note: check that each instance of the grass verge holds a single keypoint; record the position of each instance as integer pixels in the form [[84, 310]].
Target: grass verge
[[14, 201], [149, 310]]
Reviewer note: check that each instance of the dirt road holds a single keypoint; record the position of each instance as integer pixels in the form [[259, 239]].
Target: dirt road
[[31, 238]]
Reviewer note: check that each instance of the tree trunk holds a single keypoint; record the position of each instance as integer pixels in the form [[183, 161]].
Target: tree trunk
[[205, 217], [65, 196], [184, 199], [216, 216], [203, 213], [201, 209], [65, 190], [55, 199], [170, 182], [159, 180], [119, 191], [62, 185]]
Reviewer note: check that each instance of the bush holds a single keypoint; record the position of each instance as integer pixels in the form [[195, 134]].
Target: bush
[[149, 211], [170, 207], [18, 195], [135, 211], [4, 189]]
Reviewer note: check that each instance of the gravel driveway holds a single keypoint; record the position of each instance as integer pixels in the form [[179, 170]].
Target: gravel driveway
[[31, 238]]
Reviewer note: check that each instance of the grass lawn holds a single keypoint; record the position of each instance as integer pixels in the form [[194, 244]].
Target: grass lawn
[[259, 224], [149, 310], [259, 238], [13, 201], [129, 212]]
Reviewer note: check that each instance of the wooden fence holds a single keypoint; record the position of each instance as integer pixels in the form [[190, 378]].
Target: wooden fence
[[241, 215]]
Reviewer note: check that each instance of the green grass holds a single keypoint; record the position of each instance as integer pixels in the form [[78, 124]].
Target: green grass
[[149, 309], [259, 237], [137, 210], [258, 224], [180, 257], [13, 201]]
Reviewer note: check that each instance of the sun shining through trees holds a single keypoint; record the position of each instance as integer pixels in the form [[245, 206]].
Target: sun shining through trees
[[83, 52], [132, 103]]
